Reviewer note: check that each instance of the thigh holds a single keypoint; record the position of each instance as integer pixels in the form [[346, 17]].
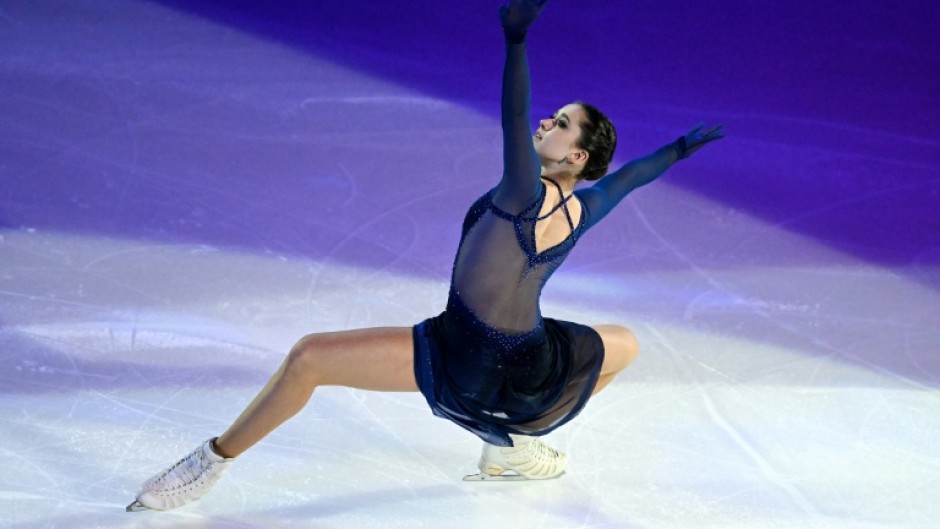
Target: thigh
[[620, 348], [380, 359]]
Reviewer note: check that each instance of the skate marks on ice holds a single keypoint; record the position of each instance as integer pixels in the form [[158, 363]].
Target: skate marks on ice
[[104, 369]]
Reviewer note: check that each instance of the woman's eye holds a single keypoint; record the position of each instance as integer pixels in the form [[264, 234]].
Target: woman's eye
[[562, 124]]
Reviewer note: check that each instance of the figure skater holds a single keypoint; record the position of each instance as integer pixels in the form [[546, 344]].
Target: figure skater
[[490, 362]]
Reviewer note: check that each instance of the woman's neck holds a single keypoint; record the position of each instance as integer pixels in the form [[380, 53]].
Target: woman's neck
[[566, 181]]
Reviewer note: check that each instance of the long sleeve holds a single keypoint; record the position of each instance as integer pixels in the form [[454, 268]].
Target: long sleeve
[[521, 165], [603, 196]]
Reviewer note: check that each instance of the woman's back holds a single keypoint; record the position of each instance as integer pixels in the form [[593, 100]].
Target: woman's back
[[504, 259]]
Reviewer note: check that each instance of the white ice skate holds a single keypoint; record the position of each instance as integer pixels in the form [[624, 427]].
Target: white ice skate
[[184, 482], [528, 458]]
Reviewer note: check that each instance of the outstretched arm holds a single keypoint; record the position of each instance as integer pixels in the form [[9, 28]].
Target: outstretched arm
[[521, 165], [610, 190]]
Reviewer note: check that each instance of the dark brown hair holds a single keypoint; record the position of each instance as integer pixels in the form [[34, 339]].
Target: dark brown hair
[[599, 139]]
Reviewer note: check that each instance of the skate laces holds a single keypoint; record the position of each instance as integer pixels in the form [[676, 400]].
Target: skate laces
[[186, 471], [185, 481], [542, 452], [534, 459]]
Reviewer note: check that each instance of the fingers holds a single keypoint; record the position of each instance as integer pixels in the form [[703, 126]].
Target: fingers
[[518, 15], [709, 134], [699, 136], [716, 130], [715, 133]]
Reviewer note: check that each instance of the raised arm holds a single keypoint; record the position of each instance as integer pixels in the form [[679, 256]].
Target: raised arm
[[521, 165], [603, 196]]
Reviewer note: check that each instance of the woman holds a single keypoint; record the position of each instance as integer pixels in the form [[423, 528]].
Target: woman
[[490, 363]]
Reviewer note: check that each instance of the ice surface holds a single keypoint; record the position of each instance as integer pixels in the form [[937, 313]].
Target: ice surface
[[183, 195]]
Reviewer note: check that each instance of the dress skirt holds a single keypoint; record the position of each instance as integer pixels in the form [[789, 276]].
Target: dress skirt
[[494, 384]]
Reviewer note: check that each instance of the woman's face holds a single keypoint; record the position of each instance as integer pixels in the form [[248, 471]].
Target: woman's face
[[557, 137]]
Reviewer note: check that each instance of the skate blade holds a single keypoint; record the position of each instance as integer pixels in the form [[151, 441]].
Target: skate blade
[[482, 476], [136, 506]]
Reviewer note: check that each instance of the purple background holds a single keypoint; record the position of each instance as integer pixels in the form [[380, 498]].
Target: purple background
[[830, 108]]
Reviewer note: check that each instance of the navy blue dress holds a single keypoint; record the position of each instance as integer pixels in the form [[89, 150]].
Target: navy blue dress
[[490, 362]]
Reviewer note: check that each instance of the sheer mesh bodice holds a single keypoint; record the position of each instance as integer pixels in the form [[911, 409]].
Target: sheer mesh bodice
[[498, 272], [490, 362]]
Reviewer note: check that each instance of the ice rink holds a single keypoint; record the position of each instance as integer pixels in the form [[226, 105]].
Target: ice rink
[[187, 187]]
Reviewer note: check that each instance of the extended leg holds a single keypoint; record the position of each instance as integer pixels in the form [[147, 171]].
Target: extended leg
[[376, 359]]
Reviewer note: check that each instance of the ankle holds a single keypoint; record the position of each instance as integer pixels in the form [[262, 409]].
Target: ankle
[[219, 451]]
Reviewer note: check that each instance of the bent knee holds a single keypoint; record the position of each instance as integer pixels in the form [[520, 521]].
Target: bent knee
[[627, 343], [621, 346]]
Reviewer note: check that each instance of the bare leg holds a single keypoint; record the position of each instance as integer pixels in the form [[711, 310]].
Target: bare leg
[[374, 359], [620, 350]]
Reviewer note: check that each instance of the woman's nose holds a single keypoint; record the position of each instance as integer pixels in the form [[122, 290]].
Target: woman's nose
[[547, 124]]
